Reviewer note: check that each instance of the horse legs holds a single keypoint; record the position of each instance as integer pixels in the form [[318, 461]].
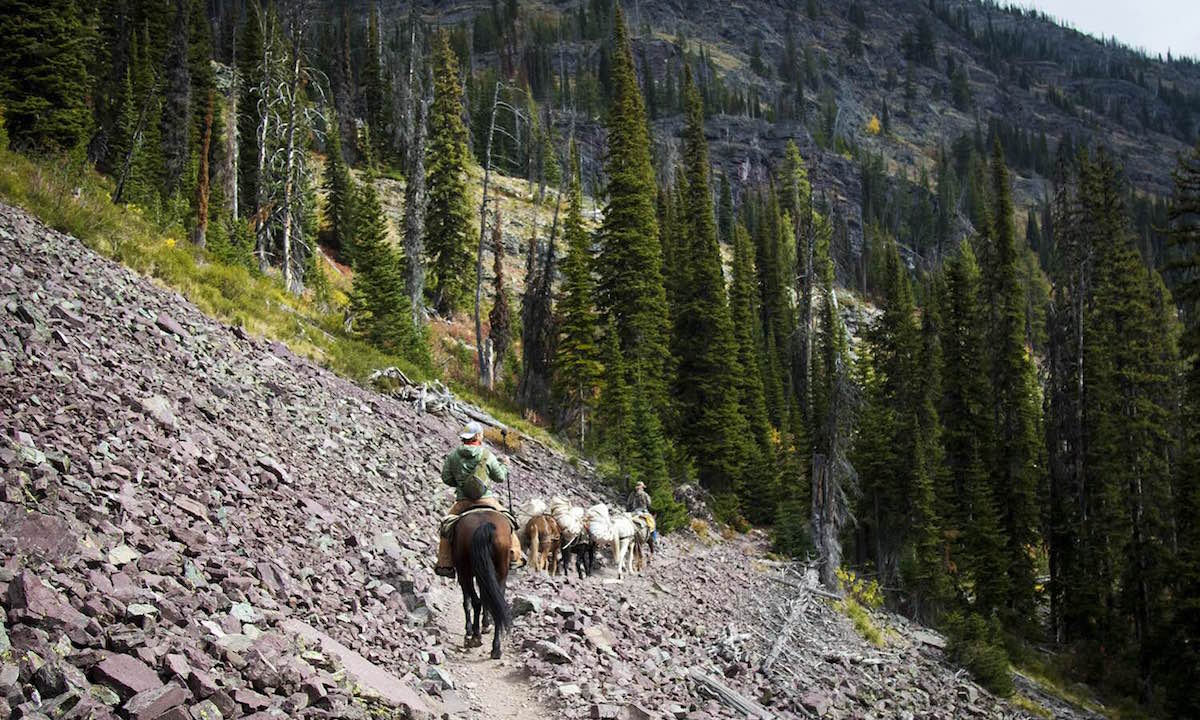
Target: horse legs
[[535, 546], [477, 612], [471, 604], [552, 558], [496, 633]]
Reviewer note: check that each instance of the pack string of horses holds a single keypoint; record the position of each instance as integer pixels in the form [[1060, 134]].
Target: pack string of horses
[[552, 534]]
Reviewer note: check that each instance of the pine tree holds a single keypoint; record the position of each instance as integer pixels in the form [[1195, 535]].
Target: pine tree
[[650, 465], [339, 194], [1183, 654], [538, 334], [1129, 373], [377, 87], [448, 217], [177, 102], [966, 422], [1015, 416], [630, 264], [206, 129], [378, 282], [615, 407], [726, 218], [711, 428], [897, 448], [760, 485], [44, 85], [577, 365]]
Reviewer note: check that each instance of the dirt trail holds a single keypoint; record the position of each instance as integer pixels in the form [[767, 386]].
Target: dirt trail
[[493, 689]]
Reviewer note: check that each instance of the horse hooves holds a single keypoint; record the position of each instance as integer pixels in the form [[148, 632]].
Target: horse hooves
[[495, 654]]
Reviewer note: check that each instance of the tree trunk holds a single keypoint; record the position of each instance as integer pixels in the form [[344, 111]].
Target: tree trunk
[[291, 279], [202, 177], [414, 216], [264, 124], [487, 174]]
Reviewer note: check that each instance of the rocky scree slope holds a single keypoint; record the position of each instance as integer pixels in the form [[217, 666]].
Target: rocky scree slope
[[195, 523]]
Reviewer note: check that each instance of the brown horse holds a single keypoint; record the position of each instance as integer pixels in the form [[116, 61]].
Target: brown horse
[[481, 544], [541, 535]]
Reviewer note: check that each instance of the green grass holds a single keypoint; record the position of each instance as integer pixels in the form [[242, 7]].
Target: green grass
[[861, 618], [1030, 706]]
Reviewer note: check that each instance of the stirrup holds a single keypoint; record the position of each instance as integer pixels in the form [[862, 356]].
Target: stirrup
[[447, 572]]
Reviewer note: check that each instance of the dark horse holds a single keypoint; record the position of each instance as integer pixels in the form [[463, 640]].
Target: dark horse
[[481, 558], [583, 547]]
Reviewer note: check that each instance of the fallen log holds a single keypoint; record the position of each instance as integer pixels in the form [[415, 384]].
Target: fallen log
[[784, 635], [710, 687]]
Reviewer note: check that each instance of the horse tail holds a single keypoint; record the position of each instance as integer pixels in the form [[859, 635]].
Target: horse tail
[[483, 546]]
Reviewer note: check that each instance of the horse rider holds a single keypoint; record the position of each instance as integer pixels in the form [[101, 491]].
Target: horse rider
[[638, 501], [468, 469], [638, 505]]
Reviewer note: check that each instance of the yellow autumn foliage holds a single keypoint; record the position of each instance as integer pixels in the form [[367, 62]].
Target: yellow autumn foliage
[[873, 126]]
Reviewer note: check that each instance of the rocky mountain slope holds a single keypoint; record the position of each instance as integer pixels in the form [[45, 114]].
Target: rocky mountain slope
[[196, 523], [1023, 71]]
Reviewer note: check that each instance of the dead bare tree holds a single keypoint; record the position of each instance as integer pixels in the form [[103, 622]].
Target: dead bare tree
[[414, 210], [834, 478], [497, 106]]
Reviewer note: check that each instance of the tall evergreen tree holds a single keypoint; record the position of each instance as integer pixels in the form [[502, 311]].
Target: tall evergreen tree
[[970, 506], [711, 427], [499, 322], [614, 411], [1182, 658], [760, 485], [44, 85], [1130, 370], [1015, 416], [177, 102], [577, 365], [630, 264], [896, 452], [339, 194], [448, 217], [378, 282]]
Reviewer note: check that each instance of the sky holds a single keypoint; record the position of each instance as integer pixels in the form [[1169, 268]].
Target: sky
[[1155, 25]]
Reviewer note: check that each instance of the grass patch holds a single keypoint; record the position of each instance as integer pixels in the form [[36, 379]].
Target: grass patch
[[1030, 706], [72, 198], [861, 618]]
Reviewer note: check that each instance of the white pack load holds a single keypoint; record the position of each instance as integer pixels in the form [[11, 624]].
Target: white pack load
[[531, 508], [568, 517], [598, 523]]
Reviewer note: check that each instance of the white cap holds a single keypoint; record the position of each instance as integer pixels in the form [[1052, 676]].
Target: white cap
[[470, 430]]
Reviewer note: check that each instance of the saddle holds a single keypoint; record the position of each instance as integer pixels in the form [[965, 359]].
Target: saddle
[[646, 520], [446, 528]]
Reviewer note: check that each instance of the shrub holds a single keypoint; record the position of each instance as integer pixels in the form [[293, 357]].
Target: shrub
[[977, 645], [865, 592], [861, 618]]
